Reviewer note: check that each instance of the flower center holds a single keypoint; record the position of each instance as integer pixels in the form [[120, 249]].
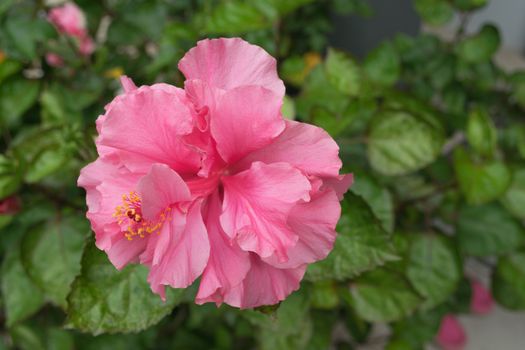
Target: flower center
[[129, 217]]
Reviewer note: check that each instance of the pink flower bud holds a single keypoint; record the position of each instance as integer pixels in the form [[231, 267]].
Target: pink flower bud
[[54, 60], [69, 20], [451, 335], [481, 302], [9, 205]]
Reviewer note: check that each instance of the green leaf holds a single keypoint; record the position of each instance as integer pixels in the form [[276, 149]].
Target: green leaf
[[383, 296], [418, 329], [16, 96], [514, 198], [51, 254], [433, 268], [21, 297], [46, 162], [290, 327], [435, 12], [361, 244], [8, 68], [24, 33], [508, 282], [103, 299], [232, 17], [343, 72], [10, 176], [26, 338], [483, 181], [377, 197], [382, 66], [518, 85], [324, 295], [400, 142], [481, 132], [480, 47], [488, 230]]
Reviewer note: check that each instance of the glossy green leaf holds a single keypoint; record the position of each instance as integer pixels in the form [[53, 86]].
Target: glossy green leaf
[[21, 297], [361, 244], [51, 253], [16, 97], [105, 300], [383, 296], [433, 268], [481, 181], [382, 66], [10, 176], [488, 230], [481, 46], [377, 197], [508, 282], [481, 132], [343, 72], [436, 12], [400, 142], [514, 198]]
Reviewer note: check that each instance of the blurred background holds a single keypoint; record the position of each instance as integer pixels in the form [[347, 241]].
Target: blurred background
[[426, 99]]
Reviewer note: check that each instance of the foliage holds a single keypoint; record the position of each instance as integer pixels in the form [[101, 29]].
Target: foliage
[[431, 129]]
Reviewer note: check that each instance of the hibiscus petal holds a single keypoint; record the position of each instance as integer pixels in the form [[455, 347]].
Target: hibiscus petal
[[244, 120], [256, 206], [228, 63], [314, 222], [186, 253], [339, 184], [228, 264], [147, 126], [105, 181], [161, 188], [304, 146], [264, 285], [124, 251]]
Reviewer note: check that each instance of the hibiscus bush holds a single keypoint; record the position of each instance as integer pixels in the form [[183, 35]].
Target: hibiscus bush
[[432, 131]]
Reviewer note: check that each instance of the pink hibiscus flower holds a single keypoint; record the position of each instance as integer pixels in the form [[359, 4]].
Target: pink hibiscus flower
[[69, 20], [481, 302], [211, 181], [54, 60], [451, 335], [9, 205]]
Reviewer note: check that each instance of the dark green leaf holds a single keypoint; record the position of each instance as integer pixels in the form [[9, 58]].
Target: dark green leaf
[[433, 268], [51, 254], [377, 197], [514, 198], [488, 230], [16, 97], [361, 244], [400, 142], [481, 181], [383, 296], [434, 12], [382, 66], [103, 299], [21, 297], [480, 47], [508, 282]]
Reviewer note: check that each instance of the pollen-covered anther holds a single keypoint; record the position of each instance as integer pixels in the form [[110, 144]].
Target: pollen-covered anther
[[130, 214]]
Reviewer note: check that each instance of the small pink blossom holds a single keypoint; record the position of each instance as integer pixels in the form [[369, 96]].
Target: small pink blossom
[[481, 302], [451, 335], [210, 181], [9, 205], [54, 60], [69, 20], [86, 46]]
